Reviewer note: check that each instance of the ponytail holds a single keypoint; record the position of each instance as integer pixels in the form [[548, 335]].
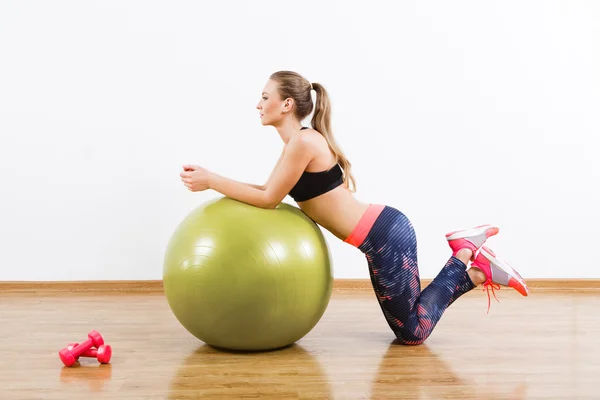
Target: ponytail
[[321, 122]]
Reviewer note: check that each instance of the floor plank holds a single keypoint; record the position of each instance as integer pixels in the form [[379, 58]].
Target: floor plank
[[544, 346]]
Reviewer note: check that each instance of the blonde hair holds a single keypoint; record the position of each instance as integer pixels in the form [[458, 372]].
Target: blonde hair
[[295, 86]]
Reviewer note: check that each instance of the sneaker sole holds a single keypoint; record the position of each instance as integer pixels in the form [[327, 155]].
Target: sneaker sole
[[488, 230], [512, 278]]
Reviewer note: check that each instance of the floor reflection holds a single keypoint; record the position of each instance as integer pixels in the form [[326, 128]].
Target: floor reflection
[[418, 372], [288, 373], [94, 377]]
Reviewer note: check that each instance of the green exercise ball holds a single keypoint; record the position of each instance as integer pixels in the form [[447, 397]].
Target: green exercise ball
[[240, 277]]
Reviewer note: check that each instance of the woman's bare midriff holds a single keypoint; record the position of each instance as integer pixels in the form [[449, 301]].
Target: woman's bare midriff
[[338, 211]]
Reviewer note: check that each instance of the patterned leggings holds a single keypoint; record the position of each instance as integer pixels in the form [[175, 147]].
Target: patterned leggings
[[390, 247]]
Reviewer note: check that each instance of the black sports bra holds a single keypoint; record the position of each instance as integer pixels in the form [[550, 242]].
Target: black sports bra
[[313, 184]]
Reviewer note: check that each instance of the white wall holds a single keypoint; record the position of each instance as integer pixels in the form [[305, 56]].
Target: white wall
[[457, 113]]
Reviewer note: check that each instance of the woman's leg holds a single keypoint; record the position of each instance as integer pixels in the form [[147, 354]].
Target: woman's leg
[[411, 313], [391, 252]]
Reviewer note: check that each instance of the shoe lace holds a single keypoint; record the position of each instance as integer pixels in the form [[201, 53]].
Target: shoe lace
[[486, 286]]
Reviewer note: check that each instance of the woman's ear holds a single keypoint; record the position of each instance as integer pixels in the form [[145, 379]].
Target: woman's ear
[[288, 105]]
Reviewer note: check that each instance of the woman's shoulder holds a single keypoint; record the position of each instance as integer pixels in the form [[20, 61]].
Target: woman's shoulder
[[312, 138]]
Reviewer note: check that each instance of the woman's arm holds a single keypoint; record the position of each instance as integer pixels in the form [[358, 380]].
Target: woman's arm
[[251, 194], [189, 168], [286, 173], [252, 185], [284, 176]]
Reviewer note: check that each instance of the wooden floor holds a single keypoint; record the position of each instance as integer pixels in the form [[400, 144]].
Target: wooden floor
[[546, 346]]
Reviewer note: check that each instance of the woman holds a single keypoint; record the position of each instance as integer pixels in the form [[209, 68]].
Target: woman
[[315, 173]]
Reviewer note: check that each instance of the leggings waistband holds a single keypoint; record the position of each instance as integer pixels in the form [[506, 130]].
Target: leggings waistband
[[361, 230]]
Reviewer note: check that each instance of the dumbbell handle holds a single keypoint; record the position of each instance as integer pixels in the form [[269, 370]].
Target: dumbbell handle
[[88, 353], [82, 348]]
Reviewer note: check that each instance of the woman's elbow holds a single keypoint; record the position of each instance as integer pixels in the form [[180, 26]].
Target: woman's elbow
[[271, 205], [271, 202]]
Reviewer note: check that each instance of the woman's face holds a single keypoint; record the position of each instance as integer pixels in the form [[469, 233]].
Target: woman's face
[[271, 106]]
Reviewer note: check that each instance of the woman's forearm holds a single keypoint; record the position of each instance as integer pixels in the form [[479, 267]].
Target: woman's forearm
[[244, 192], [260, 187]]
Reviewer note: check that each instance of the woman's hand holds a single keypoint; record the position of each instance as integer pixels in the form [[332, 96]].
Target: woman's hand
[[195, 178]]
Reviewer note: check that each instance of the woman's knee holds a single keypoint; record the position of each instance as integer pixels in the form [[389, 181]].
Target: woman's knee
[[410, 342], [408, 338]]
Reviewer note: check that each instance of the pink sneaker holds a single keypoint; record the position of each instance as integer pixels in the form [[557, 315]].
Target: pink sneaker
[[498, 272], [471, 239]]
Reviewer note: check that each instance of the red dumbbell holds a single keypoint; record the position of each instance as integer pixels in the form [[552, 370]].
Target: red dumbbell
[[68, 357], [103, 353]]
